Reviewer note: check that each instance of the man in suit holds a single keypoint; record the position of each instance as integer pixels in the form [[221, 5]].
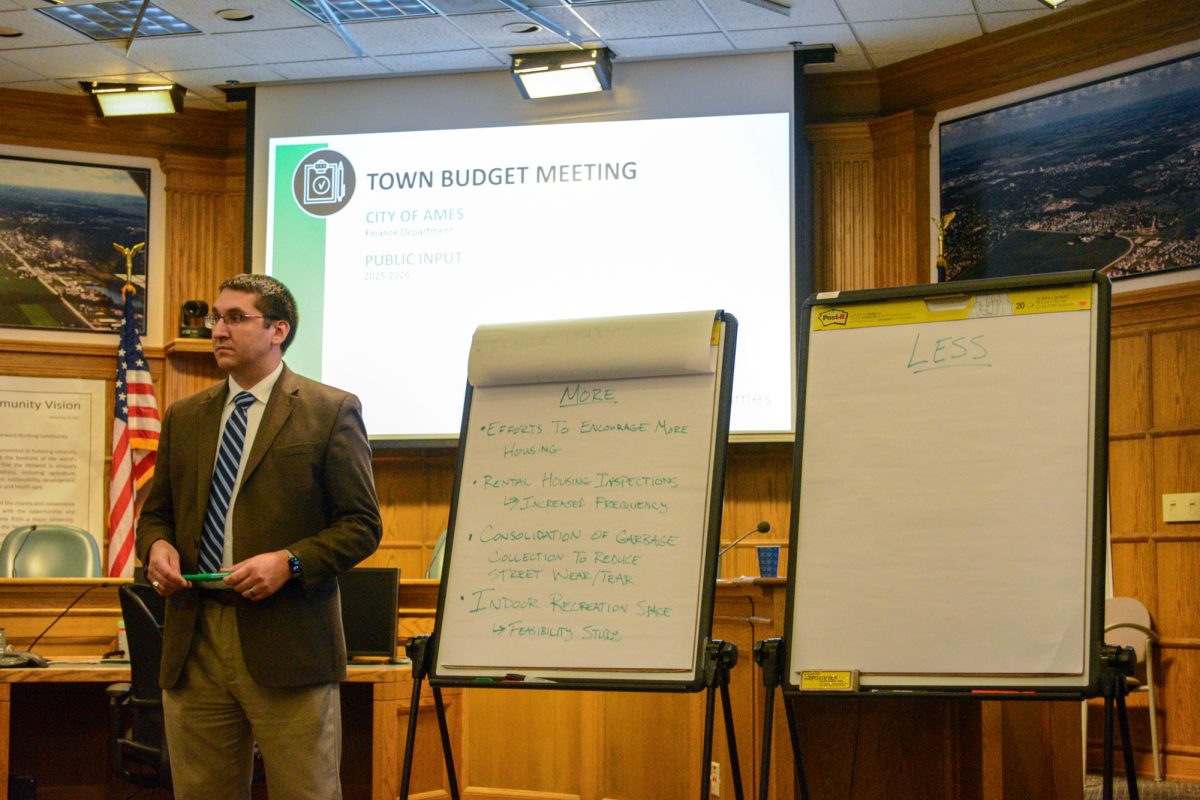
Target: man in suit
[[267, 476]]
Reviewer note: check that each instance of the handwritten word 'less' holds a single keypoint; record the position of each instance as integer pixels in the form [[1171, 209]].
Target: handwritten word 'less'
[[947, 351]]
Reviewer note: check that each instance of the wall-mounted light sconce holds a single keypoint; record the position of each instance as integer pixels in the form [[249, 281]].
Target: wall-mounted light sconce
[[562, 72], [128, 99]]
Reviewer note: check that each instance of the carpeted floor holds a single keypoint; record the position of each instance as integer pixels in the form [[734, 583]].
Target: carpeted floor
[[1147, 789]]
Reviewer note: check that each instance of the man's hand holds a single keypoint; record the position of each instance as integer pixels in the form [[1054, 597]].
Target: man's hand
[[162, 570], [260, 576]]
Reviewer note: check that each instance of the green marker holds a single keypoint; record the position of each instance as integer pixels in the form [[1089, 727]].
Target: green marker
[[206, 576]]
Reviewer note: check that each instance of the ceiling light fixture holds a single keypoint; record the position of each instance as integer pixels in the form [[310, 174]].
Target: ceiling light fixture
[[563, 72], [1052, 3], [130, 99]]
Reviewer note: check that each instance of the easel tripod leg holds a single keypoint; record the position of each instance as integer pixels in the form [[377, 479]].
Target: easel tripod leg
[[764, 772], [410, 743], [447, 754], [794, 732], [735, 768], [1127, 747], [709, 704]]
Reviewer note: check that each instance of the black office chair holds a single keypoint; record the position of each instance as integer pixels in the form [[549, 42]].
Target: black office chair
[[137, 739]]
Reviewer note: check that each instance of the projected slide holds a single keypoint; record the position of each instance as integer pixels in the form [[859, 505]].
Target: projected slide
[[398, 245]]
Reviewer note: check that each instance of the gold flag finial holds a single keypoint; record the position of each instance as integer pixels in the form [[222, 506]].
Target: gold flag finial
[[942, 264], [129, 253]]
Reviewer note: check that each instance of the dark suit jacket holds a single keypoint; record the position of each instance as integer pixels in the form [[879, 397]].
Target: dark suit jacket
[[307, 487]]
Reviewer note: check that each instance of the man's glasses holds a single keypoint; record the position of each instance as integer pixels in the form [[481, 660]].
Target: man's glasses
[[230, 318]]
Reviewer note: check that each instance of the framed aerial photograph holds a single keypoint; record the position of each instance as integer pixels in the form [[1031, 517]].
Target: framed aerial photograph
[[1101, 176], [59, 222]]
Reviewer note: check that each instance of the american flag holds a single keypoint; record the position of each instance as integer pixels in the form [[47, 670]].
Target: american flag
[[134, 442]]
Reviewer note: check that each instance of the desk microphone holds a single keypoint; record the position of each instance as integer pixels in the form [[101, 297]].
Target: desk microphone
[[761, 527]]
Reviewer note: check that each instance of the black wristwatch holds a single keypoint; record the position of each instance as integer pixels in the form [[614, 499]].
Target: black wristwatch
[[294, 564]]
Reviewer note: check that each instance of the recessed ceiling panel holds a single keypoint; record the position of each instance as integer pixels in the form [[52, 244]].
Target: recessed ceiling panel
[[115, 20], [451, 7], [346, 11]]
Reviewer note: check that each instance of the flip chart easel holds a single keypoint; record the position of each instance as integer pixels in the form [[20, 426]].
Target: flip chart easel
[[948, 511], [585, 520]]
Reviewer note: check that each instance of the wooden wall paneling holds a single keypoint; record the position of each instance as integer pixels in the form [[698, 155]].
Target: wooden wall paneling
[[187, 373], [1175, 470], [843, 177], [1175, 383], [742, 618], [1179, 715], [863, 749], [1072, 40], [414, 489], [428, 780], [1154, 447], [44, 119], [902, 221], [1049, 729], [758, 487], [522, 743], [1178, 611], [1130, 486], [204, 228], [1134, 572], [1129, 388], [667, 760], [841, 96]]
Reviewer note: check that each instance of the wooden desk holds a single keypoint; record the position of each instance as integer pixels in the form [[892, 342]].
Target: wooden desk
[[588, 745], [53, 725]]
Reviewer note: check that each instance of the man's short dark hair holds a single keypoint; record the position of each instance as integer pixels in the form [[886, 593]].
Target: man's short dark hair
[[274, 300]]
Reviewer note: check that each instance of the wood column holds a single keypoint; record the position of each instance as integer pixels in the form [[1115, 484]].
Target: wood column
[[902, 220], [843, 206]]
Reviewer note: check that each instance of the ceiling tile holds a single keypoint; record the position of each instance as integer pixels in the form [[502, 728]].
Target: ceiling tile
[[650, 18], [264, 47], [405, 36], [50, 87], [202, 81], [9, 5], [459, 61], [185, 52], [15, 72], [329, 68], [39, 30], [916, 35], [487, 30], [870, 10], [83, 61], [663, 46], [267, 14], [743, 15], [454, 7], [780, 38]]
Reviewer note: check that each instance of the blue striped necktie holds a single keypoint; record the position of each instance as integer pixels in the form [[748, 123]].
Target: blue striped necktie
[[212, 540]]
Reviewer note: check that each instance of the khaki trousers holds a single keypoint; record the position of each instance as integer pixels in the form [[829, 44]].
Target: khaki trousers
[[217, 712]]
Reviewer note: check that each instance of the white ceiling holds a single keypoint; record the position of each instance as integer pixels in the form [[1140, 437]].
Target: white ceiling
[[283, 43]]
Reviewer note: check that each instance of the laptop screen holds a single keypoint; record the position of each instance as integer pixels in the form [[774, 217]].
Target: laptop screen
[[370, 597]]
